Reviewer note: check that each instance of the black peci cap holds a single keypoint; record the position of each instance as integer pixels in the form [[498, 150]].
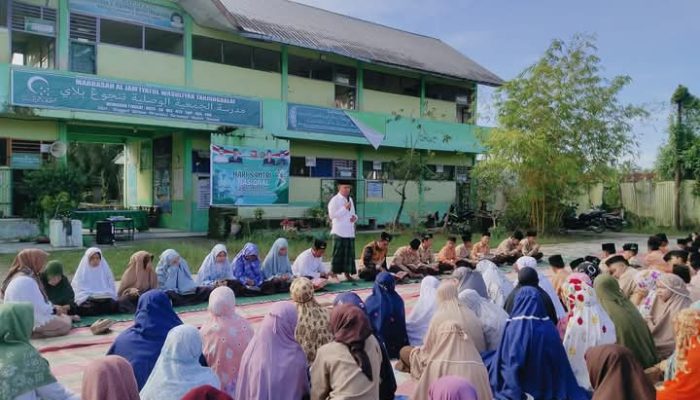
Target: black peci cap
[[592, 259], [320, 244], [662, 236], [575, 263], [609, 247], [415, 244], [556, 261], [631, 247], [386, 236]]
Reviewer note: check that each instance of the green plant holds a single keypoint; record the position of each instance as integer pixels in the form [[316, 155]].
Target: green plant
[[258, 213], [52, 190]]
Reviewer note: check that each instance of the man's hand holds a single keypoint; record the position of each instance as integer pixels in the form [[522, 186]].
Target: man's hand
[[132, 292]]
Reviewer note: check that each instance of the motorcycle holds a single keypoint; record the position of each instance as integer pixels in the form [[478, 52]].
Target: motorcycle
[[458, 222], [592, 220], [614, 221]]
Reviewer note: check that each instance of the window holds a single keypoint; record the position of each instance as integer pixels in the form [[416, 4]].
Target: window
[[310, 68], [82, 58], [33, 36], [441, 172], [345, 97], [163, 41], [266, 60], [237, 55], [297, 167], [369, 171], [324, 168], [3, 14], [464, 114], [446, 92], [83, 28], [207, 49], [121, 34], [382, 82]]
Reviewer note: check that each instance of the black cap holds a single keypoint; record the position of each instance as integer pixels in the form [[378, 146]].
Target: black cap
[[467, 237], [616, 259], [320, 244], [682, 254], [556, 261], [609, 247], [344, 182], [517, 235], [662, 236], [451, 238], [631, 247], [592, 259], [531, 233], [575, 263], [682, 241], [415, 244], [386, 236]]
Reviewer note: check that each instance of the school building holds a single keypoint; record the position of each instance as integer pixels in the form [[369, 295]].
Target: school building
[[333, 96]]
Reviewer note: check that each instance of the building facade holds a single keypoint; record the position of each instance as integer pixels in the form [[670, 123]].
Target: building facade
[[167, 79]]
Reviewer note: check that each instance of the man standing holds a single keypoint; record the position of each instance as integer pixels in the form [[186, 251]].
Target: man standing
[[619, 268], [374, 257], [341, 211]]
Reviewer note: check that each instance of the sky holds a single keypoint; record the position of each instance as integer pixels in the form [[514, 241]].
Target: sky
[[656, 43]]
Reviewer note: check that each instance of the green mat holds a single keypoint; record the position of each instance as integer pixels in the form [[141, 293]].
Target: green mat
[[240, 301]]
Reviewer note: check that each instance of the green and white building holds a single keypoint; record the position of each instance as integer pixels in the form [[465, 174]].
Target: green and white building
[[167, 79]]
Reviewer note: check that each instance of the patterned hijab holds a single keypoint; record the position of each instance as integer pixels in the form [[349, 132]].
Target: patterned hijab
[[226, 336], [312, 330], [139, 274], [646, 280], [685, 385], [22, 368], [275, 264]]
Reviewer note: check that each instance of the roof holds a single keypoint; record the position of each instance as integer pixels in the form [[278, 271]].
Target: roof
[[300, 25]]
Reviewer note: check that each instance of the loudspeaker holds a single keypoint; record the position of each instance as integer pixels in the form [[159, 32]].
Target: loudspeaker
[[104, 233]]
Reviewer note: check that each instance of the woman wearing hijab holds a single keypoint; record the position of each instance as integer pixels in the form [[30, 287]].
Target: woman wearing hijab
[[23, 284], [57, 287], [685, 385], [226, 336], [470, 279], [349, 366], [671, 297], [589, 325], [528, 277], [419, 318], [25, 374], [216, 269], [630, 329], [312, 330], [530, 345], [175, 279], [452, 388], [644, 295], [246, 269], [451, 347], [387, 314], [616, 374], [668, 366], [177, 370], [109, 378], [497, 284], [94, 287], [276, 267], [493, 318], [139, 276], [141, 344], [206, 392], [547, 288], [387, 385], [274, 366]]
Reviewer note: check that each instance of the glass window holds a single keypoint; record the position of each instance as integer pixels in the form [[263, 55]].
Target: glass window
[[310, 68], [82, 58], [297, 167], [445, 92], [382, 82], [207, 49], [31, 50], [238, 55], [345, 97], [266, 60], [464, 114], [163, 41], [120, 33]]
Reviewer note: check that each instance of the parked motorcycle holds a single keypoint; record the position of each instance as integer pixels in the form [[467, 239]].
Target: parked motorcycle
[[613, 221], [458, 222], [592, 220]]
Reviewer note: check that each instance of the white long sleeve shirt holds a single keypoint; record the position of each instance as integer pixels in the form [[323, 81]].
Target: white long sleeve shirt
[[341, 218], [308, 265]]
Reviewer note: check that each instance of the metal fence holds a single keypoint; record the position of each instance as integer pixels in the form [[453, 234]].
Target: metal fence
[[655, 200]]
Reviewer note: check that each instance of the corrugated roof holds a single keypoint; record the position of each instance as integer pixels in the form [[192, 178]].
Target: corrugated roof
[[304, 26]]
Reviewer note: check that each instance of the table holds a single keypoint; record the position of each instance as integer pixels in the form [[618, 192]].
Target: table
[[90, 217], [123, 223]]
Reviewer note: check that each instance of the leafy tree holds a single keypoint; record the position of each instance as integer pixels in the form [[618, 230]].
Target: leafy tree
[[560, 127], [96, 161], [411, 166]]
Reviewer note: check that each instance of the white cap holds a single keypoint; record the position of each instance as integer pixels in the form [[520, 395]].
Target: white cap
[[526, 261]]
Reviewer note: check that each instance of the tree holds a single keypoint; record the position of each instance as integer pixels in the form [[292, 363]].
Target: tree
[[96, 161], [560, 127], [412, 165]]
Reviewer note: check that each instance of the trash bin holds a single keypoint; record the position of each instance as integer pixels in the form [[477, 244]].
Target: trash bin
[[104, 232]]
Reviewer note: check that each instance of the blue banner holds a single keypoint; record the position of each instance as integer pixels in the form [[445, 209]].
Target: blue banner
[[137, 11], [322, 120], [247, 175], [40, 89]]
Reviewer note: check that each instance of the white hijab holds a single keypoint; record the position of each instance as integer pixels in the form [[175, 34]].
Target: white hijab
[[497, 284], [24, 289], [545, 284], [93, 281], [177, 370], [210, 270], [418, 321], [493, 318]]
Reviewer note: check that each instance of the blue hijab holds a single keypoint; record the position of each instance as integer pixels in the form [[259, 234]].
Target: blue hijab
[[141, 344], [244, 269], [531, 358], [386, 312], [349, 298], [275, 264], [170, 277]]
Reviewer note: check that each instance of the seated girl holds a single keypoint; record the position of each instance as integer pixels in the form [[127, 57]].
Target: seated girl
[[58, 287], [276, 267], [23, 285], [139, 276], [95, 290], [175, 279], [246, 269], [217, 271]]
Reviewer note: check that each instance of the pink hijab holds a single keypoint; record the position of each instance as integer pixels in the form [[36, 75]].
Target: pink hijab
[[109, 378], [226, 336]]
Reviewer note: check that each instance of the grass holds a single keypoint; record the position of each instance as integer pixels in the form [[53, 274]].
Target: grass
[[195, 249]]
